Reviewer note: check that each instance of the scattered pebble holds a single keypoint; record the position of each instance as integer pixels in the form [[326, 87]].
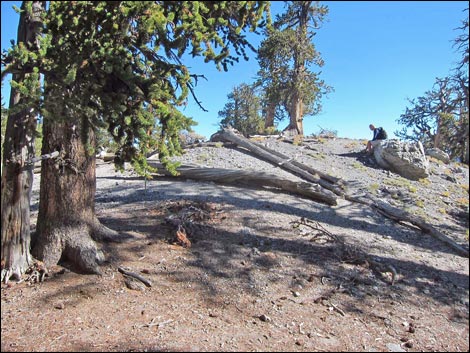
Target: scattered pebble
[[264, 318]]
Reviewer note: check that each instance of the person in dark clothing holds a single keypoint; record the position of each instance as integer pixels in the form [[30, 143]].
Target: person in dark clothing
[[379, 134]]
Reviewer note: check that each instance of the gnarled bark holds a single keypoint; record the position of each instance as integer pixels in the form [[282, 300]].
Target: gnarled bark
[[67, 223], [17, 176]]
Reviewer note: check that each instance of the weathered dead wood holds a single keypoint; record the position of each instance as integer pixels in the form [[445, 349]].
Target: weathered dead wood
[[283, 162], [250, 178], [400, 215], [208, 144], [313, 171], [136, 276]]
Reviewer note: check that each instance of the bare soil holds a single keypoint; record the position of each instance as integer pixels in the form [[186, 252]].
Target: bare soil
[[263, 270]]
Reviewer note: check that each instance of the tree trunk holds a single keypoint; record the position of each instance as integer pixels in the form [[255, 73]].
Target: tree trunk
[[17, 176], [66, 220], [296, 124], [270, 111]]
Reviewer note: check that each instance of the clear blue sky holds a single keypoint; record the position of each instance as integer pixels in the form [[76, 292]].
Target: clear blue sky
[[377, 54]]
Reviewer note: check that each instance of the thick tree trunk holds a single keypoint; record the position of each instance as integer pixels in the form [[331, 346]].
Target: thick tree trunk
[[66, 220], [296, 101], [17, 176], [270, 111], [296, 125]]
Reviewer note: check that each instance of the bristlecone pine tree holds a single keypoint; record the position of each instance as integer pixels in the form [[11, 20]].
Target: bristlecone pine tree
[[285, 57], [242, 111], [18, 150], [117, 65]]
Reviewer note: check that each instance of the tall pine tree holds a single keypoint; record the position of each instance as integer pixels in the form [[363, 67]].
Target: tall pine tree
[[117, 65]]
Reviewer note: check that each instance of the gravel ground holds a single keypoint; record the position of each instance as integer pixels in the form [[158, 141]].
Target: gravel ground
[[253, 278]]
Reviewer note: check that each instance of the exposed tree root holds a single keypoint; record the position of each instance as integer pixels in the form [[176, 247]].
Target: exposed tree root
[[72, 244]]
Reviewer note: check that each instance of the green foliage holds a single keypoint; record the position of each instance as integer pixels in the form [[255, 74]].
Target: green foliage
[[286, 57], [116, 65], [242, 111], [440, 117]]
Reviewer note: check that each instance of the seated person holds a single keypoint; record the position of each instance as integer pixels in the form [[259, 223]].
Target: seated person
[[379, 134]]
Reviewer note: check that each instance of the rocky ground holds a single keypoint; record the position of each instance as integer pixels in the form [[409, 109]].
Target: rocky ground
[[263, 270]]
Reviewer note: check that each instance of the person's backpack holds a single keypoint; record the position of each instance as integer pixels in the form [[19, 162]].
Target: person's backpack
[[382, 135]]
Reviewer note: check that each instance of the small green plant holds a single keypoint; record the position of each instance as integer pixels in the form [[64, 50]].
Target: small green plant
[[316, 155], [203, 158], [359, 166], [373, 188], [424, 181], [463, 201], [352, 145], [298, 140], [442, 210], [464, 186], [419, 203], [399, 182]]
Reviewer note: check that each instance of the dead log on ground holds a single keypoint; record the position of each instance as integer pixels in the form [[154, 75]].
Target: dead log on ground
[[313, 171], [282, 162], [251, 178], [400, 215]]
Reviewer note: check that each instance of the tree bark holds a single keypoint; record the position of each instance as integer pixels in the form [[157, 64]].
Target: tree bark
[[296, 105], [67, 223], [296, 125], [282, 162], [251, 178], [17, 176], [270, 112]]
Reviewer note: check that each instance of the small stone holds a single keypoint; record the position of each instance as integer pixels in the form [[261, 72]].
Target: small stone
[[296, 294], [59, 306], [393, 347], [134, 285], [264, 318], [409, 344]]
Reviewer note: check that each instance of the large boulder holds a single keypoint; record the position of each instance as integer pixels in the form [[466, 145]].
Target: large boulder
[[404, 158], [438, 154]]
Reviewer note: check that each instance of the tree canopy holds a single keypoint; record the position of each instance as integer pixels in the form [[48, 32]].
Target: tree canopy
[[117, 64], [286, 58], [439, 118], [243, 111]]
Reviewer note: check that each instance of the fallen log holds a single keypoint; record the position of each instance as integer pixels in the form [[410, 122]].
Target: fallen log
[[313, 171], [250, 178], [282, 162], [400, 215]]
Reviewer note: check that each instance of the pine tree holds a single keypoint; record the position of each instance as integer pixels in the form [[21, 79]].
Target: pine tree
[[242, 111], [285, 57], [118, 65], [19, 145]]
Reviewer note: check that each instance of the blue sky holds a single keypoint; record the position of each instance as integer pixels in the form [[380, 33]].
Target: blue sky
[[377, 54]]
